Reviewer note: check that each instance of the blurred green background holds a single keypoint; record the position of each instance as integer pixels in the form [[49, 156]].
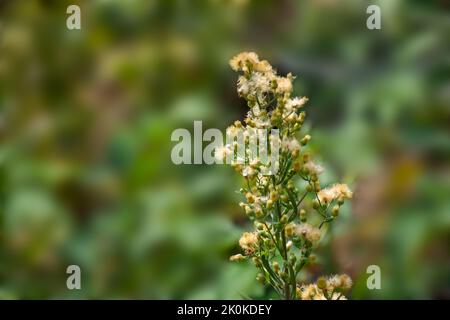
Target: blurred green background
[[85, 124]]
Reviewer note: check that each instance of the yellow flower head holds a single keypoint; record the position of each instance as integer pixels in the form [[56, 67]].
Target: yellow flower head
[[248, 242]]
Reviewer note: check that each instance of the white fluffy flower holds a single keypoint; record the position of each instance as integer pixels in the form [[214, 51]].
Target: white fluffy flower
[[284, 84], [295, 103], [248, 241], [290, 144], [307, 231], [248, 171]]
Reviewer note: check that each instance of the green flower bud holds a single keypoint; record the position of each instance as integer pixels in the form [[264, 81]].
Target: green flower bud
[[276, 266], [274, 195], [317, 187], [292, 258], [305, 139], [274, 84], [315, 204], [301, 117], [305, 157], [289, 229], [260, 278], [335, 211], [289, 245], [302, 215], [263, 234]]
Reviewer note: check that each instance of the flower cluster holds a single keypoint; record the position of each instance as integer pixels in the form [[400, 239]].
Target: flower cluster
[[279, 201]]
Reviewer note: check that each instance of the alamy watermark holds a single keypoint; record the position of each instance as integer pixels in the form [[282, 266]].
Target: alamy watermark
[[374, 280], [374, 20], [73, 21]]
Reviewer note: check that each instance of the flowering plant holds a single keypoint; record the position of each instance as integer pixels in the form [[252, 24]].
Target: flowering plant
[[279, 202]]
